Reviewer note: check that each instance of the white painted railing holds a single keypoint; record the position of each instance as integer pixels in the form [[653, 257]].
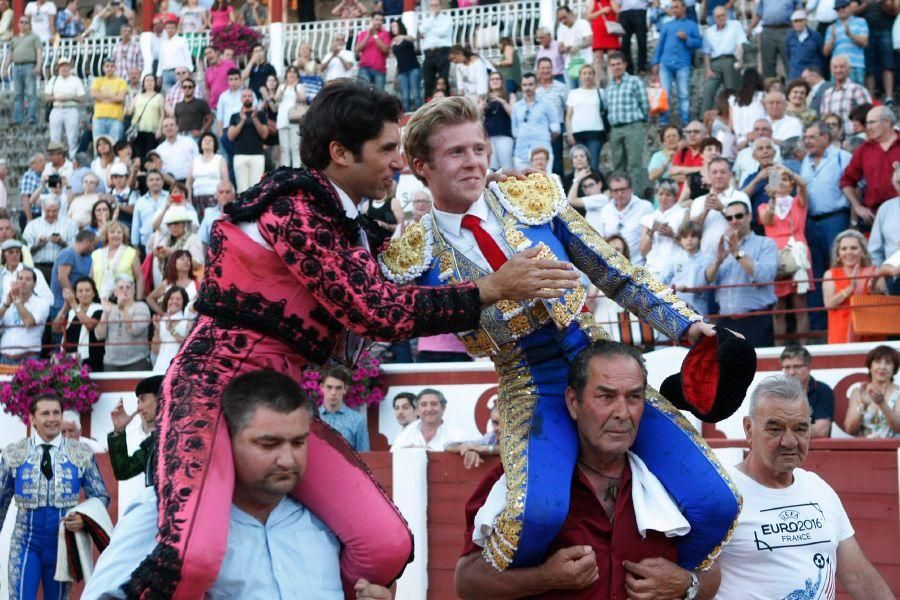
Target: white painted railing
[[479, 27]]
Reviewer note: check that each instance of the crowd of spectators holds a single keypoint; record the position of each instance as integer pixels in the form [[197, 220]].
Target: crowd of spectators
[[771, 202]]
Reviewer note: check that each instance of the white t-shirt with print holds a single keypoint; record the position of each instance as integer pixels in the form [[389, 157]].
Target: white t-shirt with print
[[574, 36], [785, 544], [41, 17]]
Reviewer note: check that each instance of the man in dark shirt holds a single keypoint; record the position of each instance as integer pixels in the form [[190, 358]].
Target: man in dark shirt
[[599, 552], [257, 70], [193, 115], [144, 458], [247, 132], [795, 361]]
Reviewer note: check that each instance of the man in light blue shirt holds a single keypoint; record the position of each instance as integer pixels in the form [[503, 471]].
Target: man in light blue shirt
[[672, 60], [848, 36], [224, 195], [276, 547], [144, 210], [534, 124], [348, 422], [742, 257], [775, 16]]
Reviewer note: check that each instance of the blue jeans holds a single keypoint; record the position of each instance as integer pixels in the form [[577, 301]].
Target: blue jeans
[[594, 142], [168, 79], [411, 89], [114, 128], [372, 77], [683, 77], [25, 91]]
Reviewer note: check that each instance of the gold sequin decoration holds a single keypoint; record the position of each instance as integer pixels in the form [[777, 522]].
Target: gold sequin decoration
[[537, 198]]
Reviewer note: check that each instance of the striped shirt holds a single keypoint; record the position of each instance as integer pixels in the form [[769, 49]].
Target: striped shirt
[[127, 56], [40, 228], [626, 101]]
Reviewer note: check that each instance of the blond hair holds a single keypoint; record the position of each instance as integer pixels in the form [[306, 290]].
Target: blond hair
[[431, 117]]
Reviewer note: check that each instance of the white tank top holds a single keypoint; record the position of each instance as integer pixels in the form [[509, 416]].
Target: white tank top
[[206, 175]]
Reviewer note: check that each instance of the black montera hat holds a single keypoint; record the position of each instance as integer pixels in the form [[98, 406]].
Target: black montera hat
[[714, 377], [151, 385]]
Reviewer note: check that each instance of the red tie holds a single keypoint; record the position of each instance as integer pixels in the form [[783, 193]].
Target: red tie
[[486, 243]]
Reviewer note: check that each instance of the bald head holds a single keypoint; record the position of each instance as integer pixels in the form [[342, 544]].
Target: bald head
[[775, 104], [840, 68]]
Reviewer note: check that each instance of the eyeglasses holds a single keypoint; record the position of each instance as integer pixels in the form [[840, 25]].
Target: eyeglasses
[[527, 114], [737, 217], [618, 190], [188, 87], [689, 131]]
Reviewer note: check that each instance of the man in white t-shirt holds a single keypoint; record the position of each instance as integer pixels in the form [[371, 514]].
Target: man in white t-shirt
[[430, 431], [784, 126], [707, 209], [793, 536], [340, 61], [575, 38], [43, 18], [176, 151]]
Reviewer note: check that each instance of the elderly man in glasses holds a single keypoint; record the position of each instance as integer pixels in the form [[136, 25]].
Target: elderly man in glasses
[[742, 257]]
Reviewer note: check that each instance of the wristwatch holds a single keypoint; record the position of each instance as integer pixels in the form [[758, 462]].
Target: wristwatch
[[693, 589], [741, 254]]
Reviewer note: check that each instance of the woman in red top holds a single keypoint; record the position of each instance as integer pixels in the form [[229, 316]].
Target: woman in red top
[[603, 11], [784, 218], [851, 275]]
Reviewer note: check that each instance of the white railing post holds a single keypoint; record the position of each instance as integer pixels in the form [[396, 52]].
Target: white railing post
[[147, 51], [548, 15], [276, 47], [410, 494]]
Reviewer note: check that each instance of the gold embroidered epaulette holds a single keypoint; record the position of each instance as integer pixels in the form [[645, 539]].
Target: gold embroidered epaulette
[[534, 201], [79, 453], [409, 255]]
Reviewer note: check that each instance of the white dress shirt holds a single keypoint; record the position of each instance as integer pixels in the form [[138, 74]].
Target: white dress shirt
[[463, 240]]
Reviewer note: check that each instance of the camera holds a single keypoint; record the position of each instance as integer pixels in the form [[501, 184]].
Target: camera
[[54, 180]]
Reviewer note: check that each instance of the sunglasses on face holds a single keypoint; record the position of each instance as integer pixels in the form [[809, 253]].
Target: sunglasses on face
[[737, 217], [188, 87]]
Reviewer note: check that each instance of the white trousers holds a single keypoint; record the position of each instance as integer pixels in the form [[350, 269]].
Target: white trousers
[[65, 121], [248, 170], [289, 140]]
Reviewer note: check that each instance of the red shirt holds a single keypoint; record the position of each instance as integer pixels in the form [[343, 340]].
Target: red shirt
[[686, 158], [872, 163], [588, 525], [217, 80], [372, 56]]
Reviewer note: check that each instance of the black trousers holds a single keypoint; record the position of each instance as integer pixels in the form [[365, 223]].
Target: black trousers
[[756, 328], [634, 22], [436, 64]]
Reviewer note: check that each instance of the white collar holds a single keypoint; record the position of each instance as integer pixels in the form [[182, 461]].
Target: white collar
[[38, 441], [350, 209], [452, 222]]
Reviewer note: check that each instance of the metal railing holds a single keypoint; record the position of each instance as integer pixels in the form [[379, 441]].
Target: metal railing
[[479, 27]]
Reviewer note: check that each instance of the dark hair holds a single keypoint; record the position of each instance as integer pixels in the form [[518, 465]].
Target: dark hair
[[580, 367], [528, 75], [616, 55], [719, 159], [723, 108], [175, 289], [32, 406], [214, 139], [596, 176], [408, 396], [89, 280], [795, 84], [794, 351], [85, 235], [882, 352], [690, 229], [860, 112], [254, 46], [626, 251], [457, 49], [401, 28], [171, 274], [547, 59], [665, 128], [270, 389], [710, 141], [564, 7], [823, 127], [376, 13], [349, 113], [751, 83], [339, 372], [121, 145], [29, 270], [234, 71], [94, 222]]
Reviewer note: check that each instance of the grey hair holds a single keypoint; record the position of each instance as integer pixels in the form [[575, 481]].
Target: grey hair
[[432, 392], [887, 115], [541, 31], [760, 139], [781, 387], [823, 127], [71, 416], [581, 147], [48, 201], [667, 185]]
